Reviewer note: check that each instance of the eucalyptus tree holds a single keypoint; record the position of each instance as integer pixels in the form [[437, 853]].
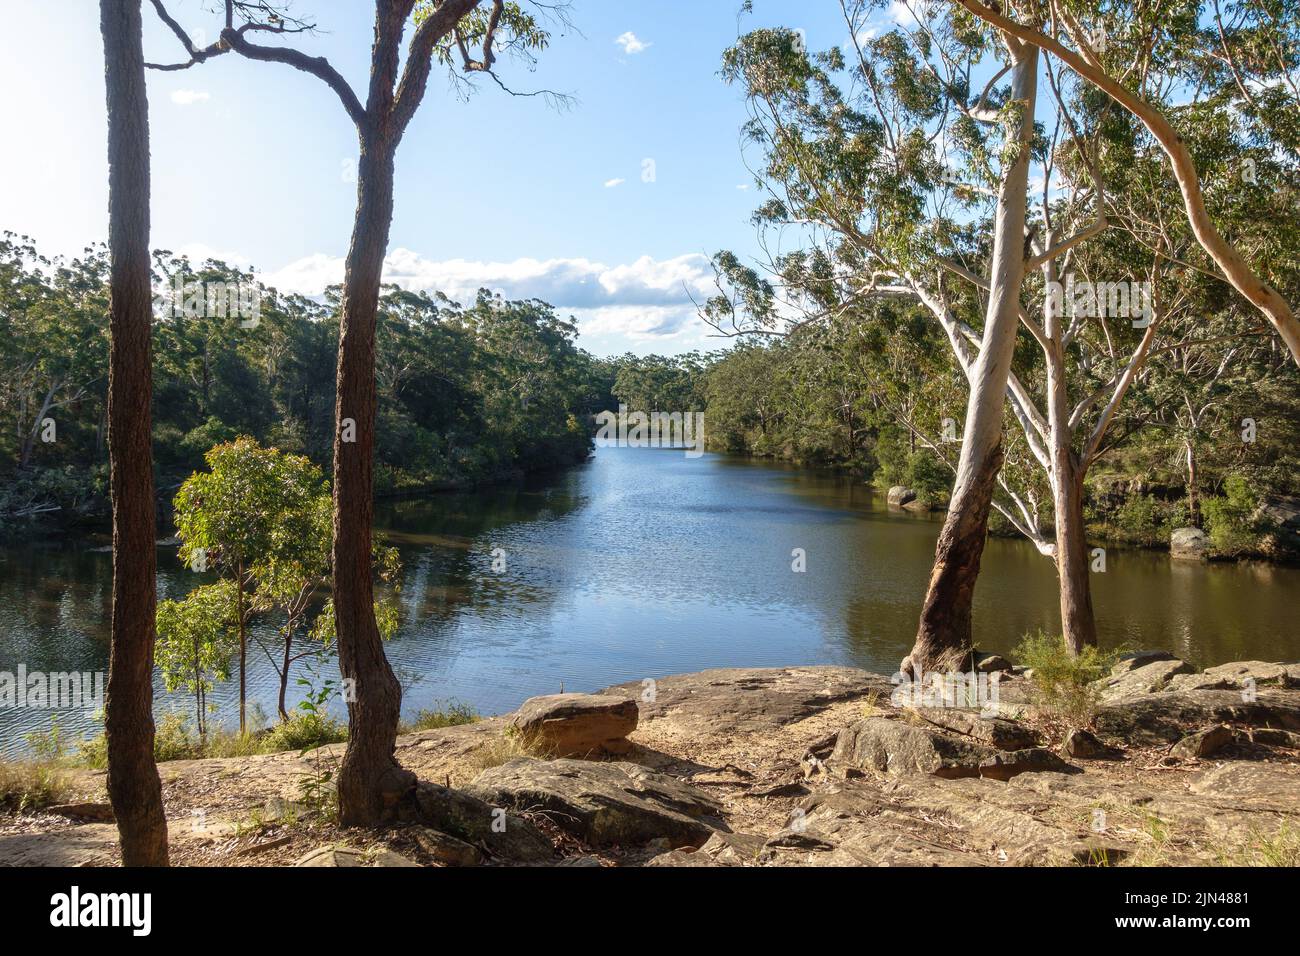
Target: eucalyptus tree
[[133, 785], [1148, 57], [469, 33], [889, 164]]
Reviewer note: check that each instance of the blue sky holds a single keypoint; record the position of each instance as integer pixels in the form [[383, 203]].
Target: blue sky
[[252, 161]]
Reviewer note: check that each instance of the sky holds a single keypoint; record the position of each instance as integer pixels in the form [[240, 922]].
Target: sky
[[608, 210]]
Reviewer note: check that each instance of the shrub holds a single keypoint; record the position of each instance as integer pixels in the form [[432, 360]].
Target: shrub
[[304, 731], [1063, 684], [451, 714], [30, 785]]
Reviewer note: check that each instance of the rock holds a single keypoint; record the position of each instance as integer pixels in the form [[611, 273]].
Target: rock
[[991, 663], [1158, 719], [577, 724], [333, 856], [1007, 764], [898, 496], [894, 747], [1085, 745], [918, 505], [84, 812], [1188, 543], [1135, 659], [1277, 738], [387, 857], [1142, 680], [446, 849], [473, 820], [581, 861], [604, 803], [997, 732], [1263, 674], [1203, 743]]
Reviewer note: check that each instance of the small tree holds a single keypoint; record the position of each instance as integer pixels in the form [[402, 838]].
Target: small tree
[[247, 513], [196, 640]]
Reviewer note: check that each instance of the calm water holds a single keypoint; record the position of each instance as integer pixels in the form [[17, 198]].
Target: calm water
[[643, 563]]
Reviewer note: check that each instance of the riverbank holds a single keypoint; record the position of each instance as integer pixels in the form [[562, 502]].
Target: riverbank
[[802, 766]]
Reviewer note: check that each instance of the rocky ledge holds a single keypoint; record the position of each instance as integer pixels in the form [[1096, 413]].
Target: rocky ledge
[[802, 766]]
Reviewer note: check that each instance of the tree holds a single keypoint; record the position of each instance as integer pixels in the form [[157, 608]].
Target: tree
[[371, 783], [196, 642], [133, 785], [1108, 66], [248, 512]]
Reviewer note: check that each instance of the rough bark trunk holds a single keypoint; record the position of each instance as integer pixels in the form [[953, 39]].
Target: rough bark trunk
[[133, 785], [371, 783], [1072, 564], [943, 638]]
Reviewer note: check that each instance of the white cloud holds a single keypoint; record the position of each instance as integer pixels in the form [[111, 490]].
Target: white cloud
[[631, 44], [190, 97], [645, 299], [742, 186], [611, 183]]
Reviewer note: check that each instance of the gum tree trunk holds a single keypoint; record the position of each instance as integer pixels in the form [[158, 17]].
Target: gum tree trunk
[[943, 638], [371, 782], [133, 785]]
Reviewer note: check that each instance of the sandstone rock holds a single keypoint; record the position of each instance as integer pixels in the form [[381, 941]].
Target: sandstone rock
[[333, 856], [1277, 738], [1203, 743], [898, 496], [1142, 680], [991, 663], [1166, 718], [1262, 673], [578, 724], [604, 803], [997, 732], [387, 857], [1007, 764], [895, 747], [1135, 659], [473, 820], [446, 849], [1084, 744], [1188, 543], [918, 505]]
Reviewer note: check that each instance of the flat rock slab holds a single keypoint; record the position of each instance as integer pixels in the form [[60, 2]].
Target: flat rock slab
[[483, 823], [1158, 719], [345, 856], [997, 732], [604, 803], [755, 700], [577, 725], [1128, 681]]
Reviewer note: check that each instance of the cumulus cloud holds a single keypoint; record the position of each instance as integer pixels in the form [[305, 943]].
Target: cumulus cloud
[[190, 97], [645, 299], [631, 44]]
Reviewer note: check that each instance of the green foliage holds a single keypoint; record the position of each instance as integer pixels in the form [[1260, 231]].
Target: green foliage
[[451, 714], [1229, 517], [197, 637], [1063, 684]]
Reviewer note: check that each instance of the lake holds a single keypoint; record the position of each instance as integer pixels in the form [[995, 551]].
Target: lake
[[644, 562]]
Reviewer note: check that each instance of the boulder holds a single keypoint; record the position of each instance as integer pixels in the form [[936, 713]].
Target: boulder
[[1263, 674], [1277, 738], [1135, 659], [577, 725], [1085, 745], [919, 505], [1188, 543], [1203, 743], [333, 856], [991, 663], [998, 732], [473, 820], [898, 748], [604, 803], [446, 849], [898, 496], [1141, 680]]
